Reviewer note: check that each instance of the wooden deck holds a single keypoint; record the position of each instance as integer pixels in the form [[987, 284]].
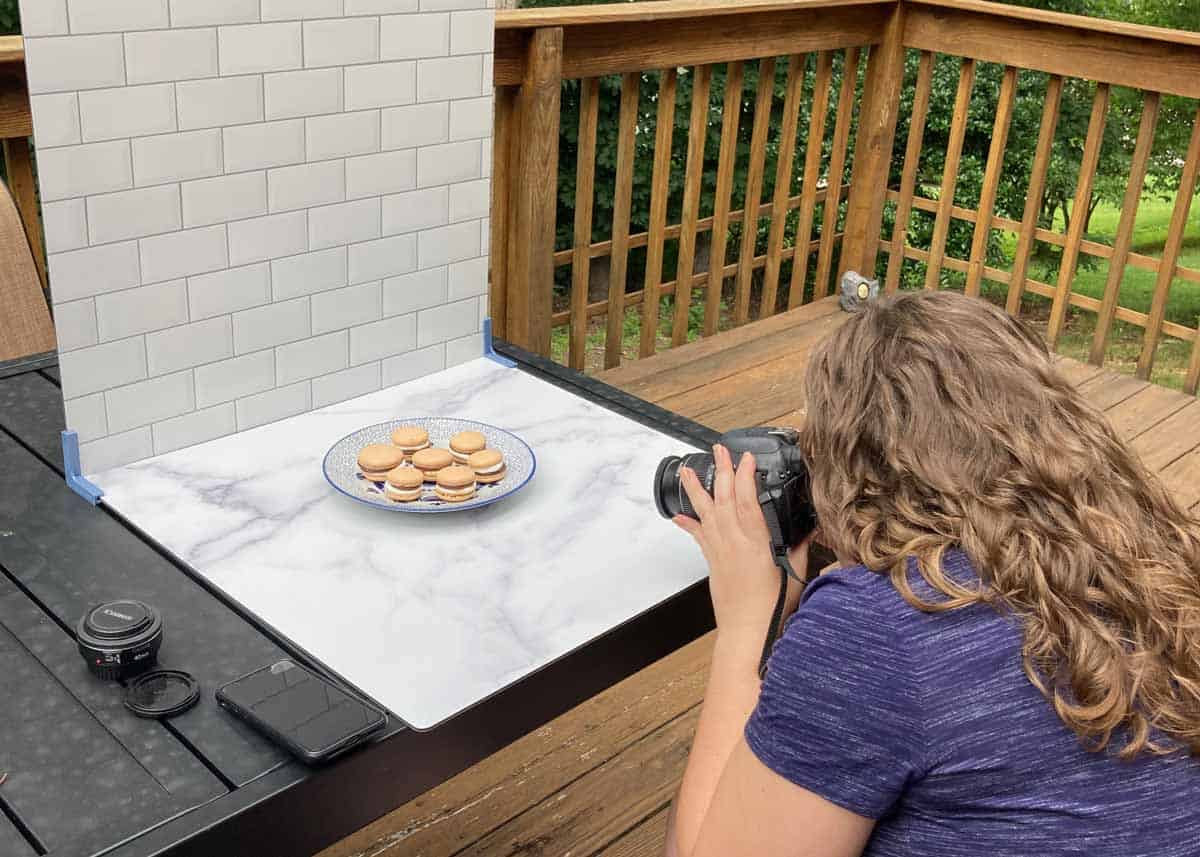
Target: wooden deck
[[598, 780]]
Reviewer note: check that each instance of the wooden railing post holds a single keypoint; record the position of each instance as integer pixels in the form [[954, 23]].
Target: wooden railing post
[[873, 148], [533, 191], [504, 167]]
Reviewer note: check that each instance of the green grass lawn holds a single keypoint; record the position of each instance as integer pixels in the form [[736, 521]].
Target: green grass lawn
[[1137, 288]]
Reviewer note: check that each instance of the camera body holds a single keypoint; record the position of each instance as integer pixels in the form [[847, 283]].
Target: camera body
[[780, 474]]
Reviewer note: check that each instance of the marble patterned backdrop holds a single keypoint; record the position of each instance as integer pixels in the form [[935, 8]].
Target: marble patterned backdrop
[[428, 614]]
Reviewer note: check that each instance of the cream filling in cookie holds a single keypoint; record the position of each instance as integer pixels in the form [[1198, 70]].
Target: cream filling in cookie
[[488, 471], [402, 493], [460, 457], [457, 492], [376, 475], [409, 450]]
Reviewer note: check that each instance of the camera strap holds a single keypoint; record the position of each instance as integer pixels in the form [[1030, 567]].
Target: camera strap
[[779, 552]]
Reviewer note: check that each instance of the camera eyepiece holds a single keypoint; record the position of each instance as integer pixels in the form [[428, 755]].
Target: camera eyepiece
[[120, 639]]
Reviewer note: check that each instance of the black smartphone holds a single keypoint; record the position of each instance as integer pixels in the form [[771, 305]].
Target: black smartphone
[[309, 715]]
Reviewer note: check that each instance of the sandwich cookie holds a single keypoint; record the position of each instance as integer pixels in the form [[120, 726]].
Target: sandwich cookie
[[488, 465], [404, 484], [410, 439], [455, 484], [463, 444], [430, 461], [376, 460]]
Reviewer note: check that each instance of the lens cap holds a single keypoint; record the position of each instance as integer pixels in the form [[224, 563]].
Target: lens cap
[[118, 619], [162, 693]]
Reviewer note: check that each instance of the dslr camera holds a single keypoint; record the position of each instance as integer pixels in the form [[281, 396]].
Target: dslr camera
[[779, 472]]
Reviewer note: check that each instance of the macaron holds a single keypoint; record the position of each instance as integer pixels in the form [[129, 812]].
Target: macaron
[[488, 465], [466, 442], [376, 460], [404, 484], [430, 461], [455, 484], [410, 439]]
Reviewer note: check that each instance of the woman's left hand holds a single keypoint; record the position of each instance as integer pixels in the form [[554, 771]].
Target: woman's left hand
[[732, 534]]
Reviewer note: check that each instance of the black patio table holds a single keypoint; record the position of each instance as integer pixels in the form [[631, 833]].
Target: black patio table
[[82, 775]]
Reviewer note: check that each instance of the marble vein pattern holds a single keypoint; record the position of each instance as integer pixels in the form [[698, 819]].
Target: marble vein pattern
[[428, 614]]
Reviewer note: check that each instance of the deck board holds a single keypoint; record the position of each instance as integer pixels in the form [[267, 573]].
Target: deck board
[[598, 780]]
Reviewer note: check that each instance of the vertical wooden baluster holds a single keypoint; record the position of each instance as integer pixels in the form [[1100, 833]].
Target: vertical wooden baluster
[[1079, 207], [876, 138], [697, 133], [504, 170], [783, 182], [908, 178], [991, 179], [1170, 257], [581, 258], [837, 166], [622, 197], [19, 166], [731, 115], [531, 273], [1033, 196], [659, 193], [812, 173], [958, 130], [1170, 254], [1124, 237], [758, 155]]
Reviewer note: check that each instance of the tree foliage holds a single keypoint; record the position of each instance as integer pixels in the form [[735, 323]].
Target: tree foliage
[[9, 17]]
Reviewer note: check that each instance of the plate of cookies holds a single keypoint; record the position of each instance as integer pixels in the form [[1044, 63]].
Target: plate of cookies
[[429, 464]]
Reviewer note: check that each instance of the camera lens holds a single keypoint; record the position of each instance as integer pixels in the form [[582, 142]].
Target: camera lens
[[120, 639], [669, 496]]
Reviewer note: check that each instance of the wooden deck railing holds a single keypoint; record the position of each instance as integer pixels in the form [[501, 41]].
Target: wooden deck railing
[[839, 224], [16, 126]]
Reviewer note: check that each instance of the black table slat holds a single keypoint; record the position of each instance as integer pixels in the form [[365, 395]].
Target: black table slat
[[72, 782], [162, 754], [31, 408], [70, 555], [12, 843]]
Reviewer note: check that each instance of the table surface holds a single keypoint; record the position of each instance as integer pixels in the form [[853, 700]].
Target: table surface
[[58, 555], [85, 776], [427, 614]]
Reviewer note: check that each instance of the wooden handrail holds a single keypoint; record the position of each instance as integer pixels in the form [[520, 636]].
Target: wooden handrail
[[613, 39], [652, 11], [12, 51], [672, 10], [1067, 45], [1064, 19]]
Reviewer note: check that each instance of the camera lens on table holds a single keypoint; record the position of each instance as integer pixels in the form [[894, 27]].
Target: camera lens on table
[[120, 639]]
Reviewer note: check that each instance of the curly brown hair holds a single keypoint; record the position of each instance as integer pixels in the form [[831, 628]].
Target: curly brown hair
[[938, 421]]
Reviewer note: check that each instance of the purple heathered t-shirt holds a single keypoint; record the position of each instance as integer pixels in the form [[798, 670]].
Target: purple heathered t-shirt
[[927, 723]]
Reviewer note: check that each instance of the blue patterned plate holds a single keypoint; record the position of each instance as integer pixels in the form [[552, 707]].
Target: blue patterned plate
[[341, 464]]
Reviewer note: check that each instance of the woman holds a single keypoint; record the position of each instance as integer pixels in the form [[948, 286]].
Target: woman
[[1006, 660]]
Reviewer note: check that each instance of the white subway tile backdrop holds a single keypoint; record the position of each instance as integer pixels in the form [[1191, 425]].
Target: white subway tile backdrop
[[256, 207]]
